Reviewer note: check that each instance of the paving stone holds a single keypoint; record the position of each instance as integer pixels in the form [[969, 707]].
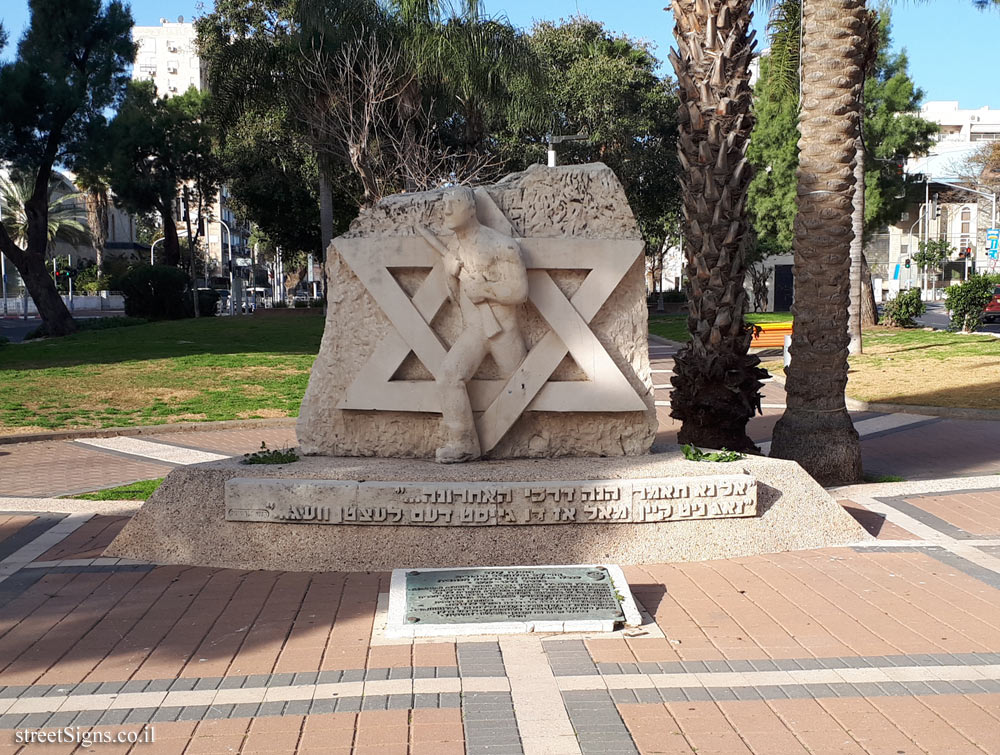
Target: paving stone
[[795, 691], [165, 715], [232, 682], [322, 705], [425, 700], [245, 710], [423, 672], [159, 685], [353, 675], [446, 672], [771, 692], [819, 690], [280, 680], [697, 694], [89, 688], [449, 700], [401, 672], [305, 677], [56, 690], [209, 682], [868, 689], [271, 708], [91, 717], [113, 717], [810, 664], [830, 663], [297, 708], [60, 719], [256, 680], [328, 677], [671, 667], [625, 696], [220, 711], [672, 695], [939, 686], [376, 674], [648, 667], [991, 686], [746, 693], [722, 694], [718, 666], [924, 659], [139, 716], [787, 664], [179, 685], [694, 667], [136, 685], [35, 720], [374, 702], [965, 686], [113, 688], [741, 666], [917, 688]]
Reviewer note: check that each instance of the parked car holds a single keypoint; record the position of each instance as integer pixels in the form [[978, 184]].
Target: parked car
[[992, 311]]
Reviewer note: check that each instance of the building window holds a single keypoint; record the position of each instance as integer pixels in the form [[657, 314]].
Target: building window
[[171, 66], [984, 136], [966, 221]]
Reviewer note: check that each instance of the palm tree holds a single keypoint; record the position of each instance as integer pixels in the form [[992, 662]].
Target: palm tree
[[67, 218], [716, 382], [816, 429]]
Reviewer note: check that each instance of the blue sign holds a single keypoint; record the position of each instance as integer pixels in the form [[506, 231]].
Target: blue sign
[[993, 242]]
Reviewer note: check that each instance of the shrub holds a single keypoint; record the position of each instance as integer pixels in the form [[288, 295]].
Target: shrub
[[317, 303], [208, 302], [156, 292], [966, 301], [668, 296], [299, 304], [903, 311], [280, 304]]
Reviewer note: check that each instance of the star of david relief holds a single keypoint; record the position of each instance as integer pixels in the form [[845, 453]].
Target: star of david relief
[[497, 403]]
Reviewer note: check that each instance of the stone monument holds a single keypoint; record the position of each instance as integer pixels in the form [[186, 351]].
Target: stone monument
[[483, 397]]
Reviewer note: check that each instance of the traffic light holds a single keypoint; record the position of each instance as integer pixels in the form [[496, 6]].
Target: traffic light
[[907, 263], [935, 207]]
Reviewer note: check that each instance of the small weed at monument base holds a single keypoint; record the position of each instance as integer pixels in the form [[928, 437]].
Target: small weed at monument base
[[693, 453], [270, 456]]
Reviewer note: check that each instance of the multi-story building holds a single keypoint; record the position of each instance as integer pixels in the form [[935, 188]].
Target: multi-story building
[[168, 55]]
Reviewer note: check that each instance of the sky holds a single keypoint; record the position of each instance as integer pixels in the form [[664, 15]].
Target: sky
[[952, 47]]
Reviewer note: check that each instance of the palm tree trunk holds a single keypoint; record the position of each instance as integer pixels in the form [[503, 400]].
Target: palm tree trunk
[[854, 345], [816, 429], [716, 382]]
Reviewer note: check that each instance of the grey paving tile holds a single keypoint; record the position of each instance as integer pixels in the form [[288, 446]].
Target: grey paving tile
[[113, 717], [446, 672], [965, 686], [353, 675], [787, 664], [771, 692], [608, 668], [425, 700], [718, 666], [305, 677], [177, 685], [585, 694], [901, 660], [647, 695], [819, 690], [14, 690], [991, 686], [280, 680], [810, 664], [449, 700], [256, 680], [272, 708], [629, 668], [322, 705], [966, 659], [245, 710], [924, 659], [917, 688], [11, 720], [328, 677], [208, 682], [671, 667], [220, 711], [672, 695], [939, 686], [297, 708], [232, 682], [159, 685], [694, 667], [831, 663], [795, 691], [741, 666], [399, 702], [376, 674], [113, 688], [91, 717], [722, 694], [423, 672], [374, 702], [55, 690], [648, 667], [624, 696], [746, 693], [868, 689], [89, 688], [35, 720], [988, 659], [697, 694], [136, 685], [401, 672], [60, 719], [843, 689], [140, 716]]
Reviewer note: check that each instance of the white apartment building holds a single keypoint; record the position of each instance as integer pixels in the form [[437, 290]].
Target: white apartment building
[[963, 216], [168, 55]]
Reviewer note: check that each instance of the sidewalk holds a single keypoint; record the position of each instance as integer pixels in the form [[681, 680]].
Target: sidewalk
[[892, 646]]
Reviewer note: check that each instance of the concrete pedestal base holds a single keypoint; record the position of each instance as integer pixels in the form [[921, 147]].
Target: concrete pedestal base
[[184, 521]]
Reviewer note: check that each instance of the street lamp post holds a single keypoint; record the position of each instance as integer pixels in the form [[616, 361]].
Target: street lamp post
[[992, 196], [920, 217], [229, 241]]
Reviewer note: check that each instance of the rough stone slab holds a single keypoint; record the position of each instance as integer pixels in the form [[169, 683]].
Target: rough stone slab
[[184, 520], [582, 207], [481, 504]]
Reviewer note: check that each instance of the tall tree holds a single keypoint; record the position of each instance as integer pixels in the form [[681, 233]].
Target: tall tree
[[716, 381], [158, 145], [66, 221], [607, 86], [816, 429], [71, 66]]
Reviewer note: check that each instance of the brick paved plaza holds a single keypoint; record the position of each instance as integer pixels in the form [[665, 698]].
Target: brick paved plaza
[[891, 646]]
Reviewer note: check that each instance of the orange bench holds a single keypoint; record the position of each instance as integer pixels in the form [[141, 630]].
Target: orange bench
[[771, 335]]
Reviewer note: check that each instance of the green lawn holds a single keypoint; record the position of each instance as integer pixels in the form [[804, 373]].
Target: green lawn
[[179, 371], [674, 327], [924, 368], [136, 491]]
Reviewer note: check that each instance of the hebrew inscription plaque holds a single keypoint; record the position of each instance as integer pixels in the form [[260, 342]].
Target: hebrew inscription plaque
[[483, 504], [459, 596]]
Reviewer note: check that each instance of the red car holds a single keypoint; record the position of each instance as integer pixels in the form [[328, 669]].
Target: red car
[[992, 311]]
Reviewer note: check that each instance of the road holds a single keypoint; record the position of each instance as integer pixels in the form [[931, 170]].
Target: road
[[937, 317]]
